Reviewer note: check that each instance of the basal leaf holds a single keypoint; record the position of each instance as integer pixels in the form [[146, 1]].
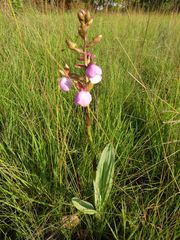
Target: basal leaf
[[83, 206], [104, 177]]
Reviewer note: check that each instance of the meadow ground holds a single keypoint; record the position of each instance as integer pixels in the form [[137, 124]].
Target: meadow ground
[[44, 158]]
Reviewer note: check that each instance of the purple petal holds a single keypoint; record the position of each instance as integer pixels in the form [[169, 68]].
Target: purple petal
[[83, 98], [93, 70], [65, 84]]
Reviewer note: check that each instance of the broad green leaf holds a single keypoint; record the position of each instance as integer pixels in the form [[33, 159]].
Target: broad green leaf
[[83, 206], [104, 177]]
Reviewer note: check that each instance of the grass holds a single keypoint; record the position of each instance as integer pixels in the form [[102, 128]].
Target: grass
[[44, 158]]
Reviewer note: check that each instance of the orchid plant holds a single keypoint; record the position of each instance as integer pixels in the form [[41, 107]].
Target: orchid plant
[[92, 73], [103, 172]]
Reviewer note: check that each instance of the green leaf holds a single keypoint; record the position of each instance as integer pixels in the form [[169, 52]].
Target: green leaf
[[104, 177], [83, 206]]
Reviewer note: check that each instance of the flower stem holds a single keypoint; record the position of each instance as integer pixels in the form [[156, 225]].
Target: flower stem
[[89, 134], [88, 125], [88, 119]]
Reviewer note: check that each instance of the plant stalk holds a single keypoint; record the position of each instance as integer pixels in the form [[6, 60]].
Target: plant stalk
[[88, 120]]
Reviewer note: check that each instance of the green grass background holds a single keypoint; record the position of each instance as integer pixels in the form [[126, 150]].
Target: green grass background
[[44, 158]]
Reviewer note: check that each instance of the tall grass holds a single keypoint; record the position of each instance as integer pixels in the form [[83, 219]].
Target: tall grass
[[44, 160]]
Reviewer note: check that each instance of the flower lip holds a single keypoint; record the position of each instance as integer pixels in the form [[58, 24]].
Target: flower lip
[[65, 84], [83, 98], [95, 79], [93, 70]]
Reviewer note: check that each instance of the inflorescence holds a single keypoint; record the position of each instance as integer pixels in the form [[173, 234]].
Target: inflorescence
[[92, 72]]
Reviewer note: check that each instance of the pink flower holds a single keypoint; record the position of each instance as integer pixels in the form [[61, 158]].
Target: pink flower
[[65, 84], [94, 73], [83, 98]]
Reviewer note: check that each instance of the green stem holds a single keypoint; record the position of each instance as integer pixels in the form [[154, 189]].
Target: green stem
[[89, 134], [88, 121], [88, 125]]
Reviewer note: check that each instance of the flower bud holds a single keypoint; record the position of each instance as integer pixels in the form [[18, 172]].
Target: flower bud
[[84, 27], [78, 50], [70, 44], [88, 16], [83, 98], [81, 33], [66, 67], [73, 46], [90, 22], [65, 84], [88, 55], [95, 41], [81, 16], [61, 72], [83, 12]]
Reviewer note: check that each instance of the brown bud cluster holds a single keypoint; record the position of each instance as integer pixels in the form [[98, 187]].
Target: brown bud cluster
[[85, 21], [82, 82]]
